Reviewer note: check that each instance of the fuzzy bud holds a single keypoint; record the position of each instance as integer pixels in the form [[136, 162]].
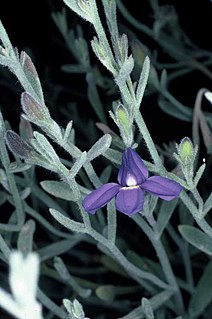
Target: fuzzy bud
[[28, 64], [186, 154], [186, 150], [124, 122], [74, 309], [123, 118], [33, 109], [17, 145]]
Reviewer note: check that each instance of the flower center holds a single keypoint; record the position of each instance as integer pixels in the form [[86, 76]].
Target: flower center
[[130, 187], [131, 180]]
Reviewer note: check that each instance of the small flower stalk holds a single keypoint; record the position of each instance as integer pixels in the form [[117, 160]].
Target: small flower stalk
[[129, 192]]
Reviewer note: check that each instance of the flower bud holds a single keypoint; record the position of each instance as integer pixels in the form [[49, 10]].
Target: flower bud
[[186, 154], [124, 122], [186, 150], [18, 146], [28, 64], [122, 117], [74, 309], [34, 110]]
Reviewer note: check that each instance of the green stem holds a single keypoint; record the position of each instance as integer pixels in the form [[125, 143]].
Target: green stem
[[12, 184], [49, 304], [75, 152], [147, 138], [100, 31], [184, 250], [196, 214], [198, 198], [111, 222], [45, 223], [164, 261], [133, 271]]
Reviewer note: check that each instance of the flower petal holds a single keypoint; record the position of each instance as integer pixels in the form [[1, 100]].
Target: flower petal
[[100, 197], [132, 164], [163, 187], [123, 170], [130, 200]]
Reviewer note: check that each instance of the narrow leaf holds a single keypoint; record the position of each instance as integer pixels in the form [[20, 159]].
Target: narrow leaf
[[74, 68], [143, 80], [165, 213], [105, 175], [78, 165], [181, 113], [208, 204], [66, 276], [199, 174], [58, 189], [67, 222], [113, 156], [44, 147], [125, 71], [93, 96], [196, 238], [106, 293], [147, 308], [111, 221], [61, 190], [58, 248], [100, 147], [203, 293], [163, 80]]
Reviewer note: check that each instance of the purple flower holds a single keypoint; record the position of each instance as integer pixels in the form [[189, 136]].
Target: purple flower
[[133, 180]]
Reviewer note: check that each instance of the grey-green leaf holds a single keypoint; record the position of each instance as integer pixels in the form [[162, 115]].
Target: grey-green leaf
[[78, 165], [94, 98], [106, 173], [58, 189], [25, 238], [58, 248], [143, 80], [196, 238], [208, 204], [181, 113], [147, 308], [106, 293], [165, 212], [100, 147], [125, 71], [203, 293], [74, 68], [67, 222]]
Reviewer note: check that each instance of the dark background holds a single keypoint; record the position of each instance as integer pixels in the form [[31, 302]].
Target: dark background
[[29, 25]]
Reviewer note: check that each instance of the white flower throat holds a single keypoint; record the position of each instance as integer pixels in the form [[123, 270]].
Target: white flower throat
[[131, 180]]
